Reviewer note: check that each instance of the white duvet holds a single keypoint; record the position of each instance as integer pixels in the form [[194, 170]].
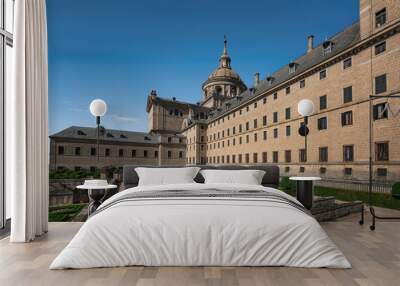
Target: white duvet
[[200, 231]]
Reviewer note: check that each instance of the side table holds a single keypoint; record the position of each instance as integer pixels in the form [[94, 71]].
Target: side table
[[96, 193], [304, 190]]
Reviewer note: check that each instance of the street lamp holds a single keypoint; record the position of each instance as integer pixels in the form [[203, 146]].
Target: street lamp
[[305, 107], [98, 108]]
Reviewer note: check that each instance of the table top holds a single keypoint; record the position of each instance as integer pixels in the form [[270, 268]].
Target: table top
[[91, 187], [305, 178]]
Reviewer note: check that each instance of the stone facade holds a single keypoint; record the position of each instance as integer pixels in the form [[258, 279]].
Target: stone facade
[[338, 76], [75, 148]]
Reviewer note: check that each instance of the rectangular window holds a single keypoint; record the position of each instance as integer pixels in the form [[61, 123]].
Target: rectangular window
[[323, 154], [240, 140], [227, 159], [264, 157], [255, 157], [255, 123], [302, 155], [322, 102], [275, 95], [247, 138], [322, 74], [264, 100], [247, 158], [145, 153], [255, 105], [287, 90], [382, 151], [380, 48], [240, 158], [247, 126], [381, 172], [302, 169], [169, 139], [169, 153], [133, 153], [287, 113], [156, 154], [275, 157], [288, 156], [288, 130], [61, 150], [348, 153], [255, 137], [380, 18], [347, 63], [121, 152], [347, 118], [347, 94], [275, 117], [275, 132], [108, 152], [322, 123], [380, 111], [302, 83], [348, 171], [264, 120], [234, 130], [92, 151], [233, 158], [380, 84], [322, 170], [77, 151], [265, 134]]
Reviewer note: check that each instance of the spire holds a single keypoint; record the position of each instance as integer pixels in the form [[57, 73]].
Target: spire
[[225, 49], [225, 60]]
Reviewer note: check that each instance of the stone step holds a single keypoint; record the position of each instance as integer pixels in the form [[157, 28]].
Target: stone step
[[337, 210], [323, 202]]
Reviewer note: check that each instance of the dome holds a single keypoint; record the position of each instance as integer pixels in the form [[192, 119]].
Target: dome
[[224, 72]]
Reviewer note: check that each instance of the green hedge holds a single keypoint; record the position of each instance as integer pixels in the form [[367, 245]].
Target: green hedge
[[286, 184], [64, 212], [69, 174], [396, 190]]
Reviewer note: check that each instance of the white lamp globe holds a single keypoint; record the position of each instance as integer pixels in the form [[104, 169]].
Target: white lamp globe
[[305, 107], [98, 107]]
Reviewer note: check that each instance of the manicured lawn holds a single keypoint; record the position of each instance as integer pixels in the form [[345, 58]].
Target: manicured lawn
[[379, 200], [64, 212]]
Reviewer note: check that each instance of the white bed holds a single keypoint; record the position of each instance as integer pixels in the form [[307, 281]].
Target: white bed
[[202, 231]]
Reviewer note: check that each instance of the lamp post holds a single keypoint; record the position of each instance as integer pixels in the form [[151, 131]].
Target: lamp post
[[305, 107], [98, 108]]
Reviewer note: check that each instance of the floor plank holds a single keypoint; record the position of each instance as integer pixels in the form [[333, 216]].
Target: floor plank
[[375, 257]]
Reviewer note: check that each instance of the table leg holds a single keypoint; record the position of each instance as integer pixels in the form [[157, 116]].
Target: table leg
[[95, 199], [305, 194]]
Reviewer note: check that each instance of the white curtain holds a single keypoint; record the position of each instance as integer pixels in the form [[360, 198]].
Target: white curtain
[[26, 124]]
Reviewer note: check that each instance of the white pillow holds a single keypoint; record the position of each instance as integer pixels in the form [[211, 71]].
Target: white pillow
[[166, 176], [248, 177]]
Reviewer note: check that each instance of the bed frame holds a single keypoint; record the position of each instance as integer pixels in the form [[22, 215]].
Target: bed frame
[[270, 179]]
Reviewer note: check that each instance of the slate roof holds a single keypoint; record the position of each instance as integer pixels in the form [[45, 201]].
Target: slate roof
[[89, 133], [341, 41], [178, 104]]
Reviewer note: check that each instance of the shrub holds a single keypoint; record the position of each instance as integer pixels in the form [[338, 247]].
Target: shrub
[[396, 190], [69, 174], [286, 184]]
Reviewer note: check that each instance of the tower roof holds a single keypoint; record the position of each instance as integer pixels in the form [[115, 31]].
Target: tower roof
[[224, 70]]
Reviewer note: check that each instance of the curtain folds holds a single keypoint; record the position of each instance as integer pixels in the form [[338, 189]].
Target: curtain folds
[[27, 122]]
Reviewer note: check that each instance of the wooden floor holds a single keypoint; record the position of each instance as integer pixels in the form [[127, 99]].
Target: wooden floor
[[375, 257]]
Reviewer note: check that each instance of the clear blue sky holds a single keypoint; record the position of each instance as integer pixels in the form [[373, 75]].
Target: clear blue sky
[[120, 50]]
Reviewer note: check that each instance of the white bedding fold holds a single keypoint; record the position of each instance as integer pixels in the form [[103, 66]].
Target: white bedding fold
[[200, 231]]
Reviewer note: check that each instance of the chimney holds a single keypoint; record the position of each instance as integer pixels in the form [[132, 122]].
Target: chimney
[[256, 78], [310, 43]]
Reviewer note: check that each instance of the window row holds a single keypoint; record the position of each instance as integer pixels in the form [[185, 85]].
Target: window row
[[381, 154], [120, 152]]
